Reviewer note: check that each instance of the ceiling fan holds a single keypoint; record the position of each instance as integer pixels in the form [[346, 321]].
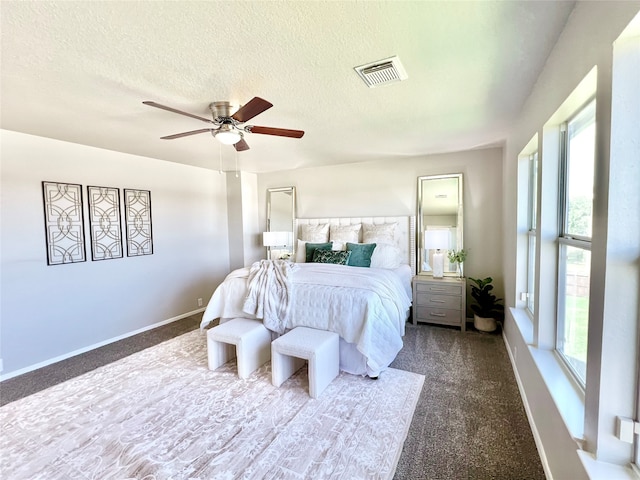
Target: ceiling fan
[[227, 128]]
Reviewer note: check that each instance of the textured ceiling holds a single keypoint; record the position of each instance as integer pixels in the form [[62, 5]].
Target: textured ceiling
[[79, 71]]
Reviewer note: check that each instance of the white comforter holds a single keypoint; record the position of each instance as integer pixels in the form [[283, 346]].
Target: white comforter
[[367, 307]]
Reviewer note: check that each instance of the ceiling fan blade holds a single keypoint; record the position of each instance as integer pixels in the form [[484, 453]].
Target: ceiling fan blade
[[255, 106], [169, 109], [282, 132], [186, 134], [241, 146]]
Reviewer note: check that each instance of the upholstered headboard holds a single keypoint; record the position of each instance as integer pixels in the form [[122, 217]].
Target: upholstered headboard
[[405, 234]]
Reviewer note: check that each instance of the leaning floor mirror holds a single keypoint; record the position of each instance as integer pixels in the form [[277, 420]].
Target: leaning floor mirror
[[281, 214], [439, 224]]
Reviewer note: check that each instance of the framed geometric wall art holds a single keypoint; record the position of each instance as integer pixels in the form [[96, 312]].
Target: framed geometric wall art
[[137, 214], [63, 223], [105, 222]]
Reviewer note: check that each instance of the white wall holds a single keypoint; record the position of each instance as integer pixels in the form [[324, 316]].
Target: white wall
[[252, 230], [586, 42], [51, 311], [389, 188], [242, 213]]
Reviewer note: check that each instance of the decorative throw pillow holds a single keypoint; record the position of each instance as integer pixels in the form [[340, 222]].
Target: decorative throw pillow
[[380, 233], [386, 256], [314, 233], [311, 247], [331, 256], [345, 233], [360, 254]]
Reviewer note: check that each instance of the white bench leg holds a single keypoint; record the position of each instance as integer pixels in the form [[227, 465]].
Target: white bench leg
[[324, 366], [219, 353], [253, 351], [283, 366]]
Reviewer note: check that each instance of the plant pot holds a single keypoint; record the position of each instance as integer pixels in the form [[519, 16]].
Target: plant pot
[[484, 324]]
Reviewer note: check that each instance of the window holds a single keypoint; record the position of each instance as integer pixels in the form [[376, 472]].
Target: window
[[574, 242], [532, 225]]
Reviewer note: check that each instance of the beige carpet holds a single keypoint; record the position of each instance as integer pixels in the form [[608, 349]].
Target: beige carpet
[[161, 414]]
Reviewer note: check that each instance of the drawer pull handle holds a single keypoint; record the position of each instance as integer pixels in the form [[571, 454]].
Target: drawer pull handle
[[437, 289], [437, 314], [437, 301]]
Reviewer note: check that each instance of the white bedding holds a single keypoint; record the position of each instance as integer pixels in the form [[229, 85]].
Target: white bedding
[[367, 307]]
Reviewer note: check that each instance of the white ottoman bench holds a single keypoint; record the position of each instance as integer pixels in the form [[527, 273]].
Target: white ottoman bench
[[319, 347], [252, 343]]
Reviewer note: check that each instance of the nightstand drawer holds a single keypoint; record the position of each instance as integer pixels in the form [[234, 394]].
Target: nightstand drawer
[[437, 315], [439, 301], [441, 289]]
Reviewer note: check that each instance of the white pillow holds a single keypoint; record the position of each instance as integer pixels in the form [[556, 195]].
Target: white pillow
[[301, 252], [386, 256], [337, 246], [345, 233], [381, 233], [315, 233]]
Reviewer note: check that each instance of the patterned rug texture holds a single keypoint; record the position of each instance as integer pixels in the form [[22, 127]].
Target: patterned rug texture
[[160, 414]]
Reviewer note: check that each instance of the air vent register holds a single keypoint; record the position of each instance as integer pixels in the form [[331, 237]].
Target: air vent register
[[382, 72]]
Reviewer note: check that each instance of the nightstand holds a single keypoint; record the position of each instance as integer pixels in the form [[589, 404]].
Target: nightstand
[[439, 300]]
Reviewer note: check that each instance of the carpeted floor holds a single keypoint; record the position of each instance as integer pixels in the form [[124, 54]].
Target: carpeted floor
[[469, 423]]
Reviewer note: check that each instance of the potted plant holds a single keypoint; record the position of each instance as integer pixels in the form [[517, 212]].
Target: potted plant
[[457, 257], [487, 308]]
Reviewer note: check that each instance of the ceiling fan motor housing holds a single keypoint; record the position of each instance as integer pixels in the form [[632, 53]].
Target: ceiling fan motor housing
[[221, 110]]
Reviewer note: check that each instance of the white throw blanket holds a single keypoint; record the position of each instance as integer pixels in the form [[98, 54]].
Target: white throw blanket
[[269, 294]]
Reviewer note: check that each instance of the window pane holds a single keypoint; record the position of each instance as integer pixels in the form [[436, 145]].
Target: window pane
[[573, 321], [580, 173], [531, 273]]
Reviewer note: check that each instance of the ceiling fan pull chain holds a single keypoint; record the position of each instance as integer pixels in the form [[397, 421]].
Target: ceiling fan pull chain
[[236, 164]]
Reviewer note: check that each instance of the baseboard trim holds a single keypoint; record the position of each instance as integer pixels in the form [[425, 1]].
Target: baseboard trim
[[59, 358], [527, 409]]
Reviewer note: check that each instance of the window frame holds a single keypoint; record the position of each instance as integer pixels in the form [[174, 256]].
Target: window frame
[[532, 225], [568, 239]]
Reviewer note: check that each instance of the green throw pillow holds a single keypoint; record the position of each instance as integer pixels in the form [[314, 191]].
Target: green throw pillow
[[338, 257], [311, 247], [360, 254]]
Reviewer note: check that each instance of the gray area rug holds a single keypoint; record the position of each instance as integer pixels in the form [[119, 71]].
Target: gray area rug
[[161, 414]]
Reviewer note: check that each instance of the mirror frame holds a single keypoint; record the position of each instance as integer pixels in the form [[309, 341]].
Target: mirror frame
[[420, 227], [271, 191]]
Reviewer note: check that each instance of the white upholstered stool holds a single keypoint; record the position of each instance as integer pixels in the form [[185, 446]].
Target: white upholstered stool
[[319, 347], [252, 343]]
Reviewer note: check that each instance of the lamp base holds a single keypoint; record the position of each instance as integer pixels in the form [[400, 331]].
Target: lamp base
[[438, 265]]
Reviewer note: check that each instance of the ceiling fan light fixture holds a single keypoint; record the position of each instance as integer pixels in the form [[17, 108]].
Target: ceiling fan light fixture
[[228, 137]]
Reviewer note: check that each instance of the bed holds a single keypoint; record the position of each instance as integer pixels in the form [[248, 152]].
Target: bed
[[367, 306]]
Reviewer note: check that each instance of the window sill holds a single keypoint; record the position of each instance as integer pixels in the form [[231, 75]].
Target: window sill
[[568, 398], [567, 395], [605, 471]]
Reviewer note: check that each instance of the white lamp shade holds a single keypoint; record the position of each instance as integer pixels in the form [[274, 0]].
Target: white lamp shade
[[436, 239], [277, 239]]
